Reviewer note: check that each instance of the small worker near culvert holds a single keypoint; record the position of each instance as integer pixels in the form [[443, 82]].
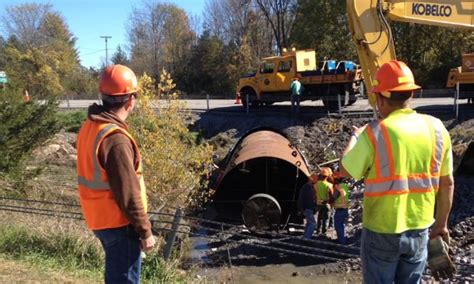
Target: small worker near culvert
[[406, 161], [111, 186], [323, 194], [296, 91], [340, 201], [307, 205]]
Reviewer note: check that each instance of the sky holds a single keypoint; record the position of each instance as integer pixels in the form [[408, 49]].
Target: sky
[[88, 20]]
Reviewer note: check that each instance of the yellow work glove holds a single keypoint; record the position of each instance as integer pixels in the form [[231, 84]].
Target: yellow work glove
[[439, 261]]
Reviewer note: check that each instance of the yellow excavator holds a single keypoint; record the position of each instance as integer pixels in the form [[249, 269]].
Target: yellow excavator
[[462, 78], [371, 32]]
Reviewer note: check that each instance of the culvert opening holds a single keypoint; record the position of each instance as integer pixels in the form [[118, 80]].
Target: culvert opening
[[262, 162]]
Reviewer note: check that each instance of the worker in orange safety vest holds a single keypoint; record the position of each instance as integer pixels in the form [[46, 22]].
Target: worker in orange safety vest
[[111, 187], [323, 194], [406, 161]]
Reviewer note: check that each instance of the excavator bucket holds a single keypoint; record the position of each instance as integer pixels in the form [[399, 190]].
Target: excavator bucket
[[464, 158]]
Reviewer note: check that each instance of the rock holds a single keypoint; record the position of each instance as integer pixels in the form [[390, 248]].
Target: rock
[[294, 274]]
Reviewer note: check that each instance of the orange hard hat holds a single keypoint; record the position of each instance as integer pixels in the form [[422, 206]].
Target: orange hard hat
[[326, 171], [394, 76], [118, 80]]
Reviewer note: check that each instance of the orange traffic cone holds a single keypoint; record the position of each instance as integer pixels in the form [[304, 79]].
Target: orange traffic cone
[[237, 99], [26, 96]]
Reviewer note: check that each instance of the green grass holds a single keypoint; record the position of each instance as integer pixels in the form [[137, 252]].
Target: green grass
[[52, 247]]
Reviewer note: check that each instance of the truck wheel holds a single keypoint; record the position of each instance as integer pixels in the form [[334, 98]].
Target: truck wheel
[[331, 102], [252, 98]]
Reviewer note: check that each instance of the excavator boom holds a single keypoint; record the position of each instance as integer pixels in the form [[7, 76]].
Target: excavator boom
[[371, 32]]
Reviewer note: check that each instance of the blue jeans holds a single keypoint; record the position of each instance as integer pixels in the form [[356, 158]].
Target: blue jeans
[[399, 258], [322, 218], [339, 219], [295, 100], [122, 254], [310, 223]]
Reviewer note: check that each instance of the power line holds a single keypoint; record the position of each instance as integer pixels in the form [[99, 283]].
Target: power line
[[106, 49], [93, 52]]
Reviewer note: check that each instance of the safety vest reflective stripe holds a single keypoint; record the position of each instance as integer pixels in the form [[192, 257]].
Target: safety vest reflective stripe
[[93, 184], [398, 184], [402, 186], [438, 144], [386, 182], [383, 148], [97, 183]]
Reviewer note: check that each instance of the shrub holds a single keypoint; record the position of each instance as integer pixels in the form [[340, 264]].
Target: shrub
[[24, 126], [176, 166], [71, 121]]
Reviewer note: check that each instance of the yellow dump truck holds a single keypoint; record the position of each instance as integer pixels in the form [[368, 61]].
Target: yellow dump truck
[[336, 83], [464, 75]]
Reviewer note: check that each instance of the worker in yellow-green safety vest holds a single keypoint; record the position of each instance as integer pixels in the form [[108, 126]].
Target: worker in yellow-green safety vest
[[340, 199], [406, 161], [323, 194]]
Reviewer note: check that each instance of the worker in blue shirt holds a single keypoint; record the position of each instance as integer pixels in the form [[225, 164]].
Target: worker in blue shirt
[[296, 92]]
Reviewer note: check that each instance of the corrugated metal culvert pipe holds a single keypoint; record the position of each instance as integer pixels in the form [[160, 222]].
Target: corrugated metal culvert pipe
[[261, 180]]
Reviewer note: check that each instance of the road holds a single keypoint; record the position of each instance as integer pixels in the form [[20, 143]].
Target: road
[[436, 105]]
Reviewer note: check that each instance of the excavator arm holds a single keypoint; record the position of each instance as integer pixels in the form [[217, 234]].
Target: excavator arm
[[371, 32]]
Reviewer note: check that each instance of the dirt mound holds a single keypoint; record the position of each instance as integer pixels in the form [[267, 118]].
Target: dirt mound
[[59, 150]]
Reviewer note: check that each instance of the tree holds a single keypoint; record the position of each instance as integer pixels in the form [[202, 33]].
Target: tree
[[431, 51], [32, 70], [86, 83], [280, 16], [40, 54], [209, 69], [238, 23], [120, 57], [322, 25], [24, 21], [23, 127], [160, 37], [3, 59]]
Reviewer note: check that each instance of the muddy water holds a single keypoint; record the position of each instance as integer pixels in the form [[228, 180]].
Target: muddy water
[[284, 273]]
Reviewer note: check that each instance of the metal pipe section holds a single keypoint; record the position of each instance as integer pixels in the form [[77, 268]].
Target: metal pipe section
[[261, 179]]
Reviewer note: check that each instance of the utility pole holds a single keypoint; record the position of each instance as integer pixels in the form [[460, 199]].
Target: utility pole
[[106, 50]]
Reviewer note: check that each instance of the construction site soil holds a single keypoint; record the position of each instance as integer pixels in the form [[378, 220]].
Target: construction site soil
[[319, 139]]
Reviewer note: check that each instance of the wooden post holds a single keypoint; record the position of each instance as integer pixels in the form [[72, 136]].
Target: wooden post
[[456, 101], [339, 103], [172, 234], [248, 102], [207, 101]]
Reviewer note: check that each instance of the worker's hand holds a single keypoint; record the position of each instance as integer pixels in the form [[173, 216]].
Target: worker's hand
[[439, 261], [440, 231], [358, 130], [148, 243]]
